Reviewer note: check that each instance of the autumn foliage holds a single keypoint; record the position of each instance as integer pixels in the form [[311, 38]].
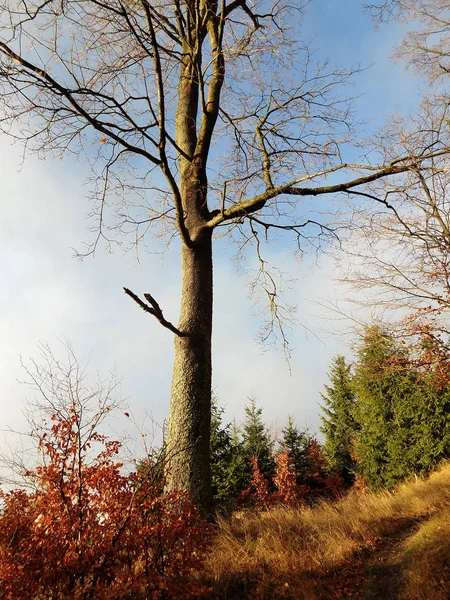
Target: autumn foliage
[[87, 530], [285, 479], [259, 486], [319, 482]]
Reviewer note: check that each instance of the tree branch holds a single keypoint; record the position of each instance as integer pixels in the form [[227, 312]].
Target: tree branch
[[154, 310], [68, 95], [247, 207]]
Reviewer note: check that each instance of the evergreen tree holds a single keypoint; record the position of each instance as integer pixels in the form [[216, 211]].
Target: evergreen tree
[[338, 420], [404, 417], [228, 466], [296, 442], [383, 384], [257, 441], [427, 411]]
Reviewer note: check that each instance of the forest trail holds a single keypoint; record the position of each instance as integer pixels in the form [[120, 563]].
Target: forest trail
[[364, 546], [376, 573]]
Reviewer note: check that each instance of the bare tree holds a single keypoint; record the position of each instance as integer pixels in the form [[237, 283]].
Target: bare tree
[[402, 240], [60, 390], [201, 116], [426, 48], [402, 245]]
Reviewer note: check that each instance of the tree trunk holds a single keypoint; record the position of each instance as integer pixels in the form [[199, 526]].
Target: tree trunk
[[188, 460]]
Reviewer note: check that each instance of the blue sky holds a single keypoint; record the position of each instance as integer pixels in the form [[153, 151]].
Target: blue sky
[[45, 293]]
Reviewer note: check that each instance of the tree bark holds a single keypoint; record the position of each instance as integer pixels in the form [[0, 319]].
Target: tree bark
[[190, 405]]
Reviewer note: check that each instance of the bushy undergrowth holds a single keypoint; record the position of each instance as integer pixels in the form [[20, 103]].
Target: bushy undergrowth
[[287, 492], [88, 531]]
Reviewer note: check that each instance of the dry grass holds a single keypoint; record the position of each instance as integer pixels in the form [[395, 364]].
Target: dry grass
[[426, 560], [288, 553]]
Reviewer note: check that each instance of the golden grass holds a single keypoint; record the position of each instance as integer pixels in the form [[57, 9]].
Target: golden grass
[[285, 553], [426, 560]]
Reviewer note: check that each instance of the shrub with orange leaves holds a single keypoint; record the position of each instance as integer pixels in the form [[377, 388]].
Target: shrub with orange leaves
[[259, 484], [286, 480], [319, 482], [90, 531], [430, 353]]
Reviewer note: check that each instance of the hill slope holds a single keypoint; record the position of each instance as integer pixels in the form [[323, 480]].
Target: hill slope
[[365, 546]]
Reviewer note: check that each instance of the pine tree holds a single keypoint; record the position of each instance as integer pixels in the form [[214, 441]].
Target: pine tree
[[381, 382], [228, 465], [404, 420], [427, 411], [403, 416], [296, 442], [257, 441], [431, 427], [338, 420]]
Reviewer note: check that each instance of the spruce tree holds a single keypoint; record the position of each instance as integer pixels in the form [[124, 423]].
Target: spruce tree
[[257, 441], [379, 385], [338, 420], [426, 415], [228, 466], [391, 400], [296, 442]]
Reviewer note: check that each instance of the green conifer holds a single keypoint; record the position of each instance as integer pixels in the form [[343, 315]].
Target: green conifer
[[257, 441], [295, 442], [383, 382], [338, 421], [228, 466], [404, 419]]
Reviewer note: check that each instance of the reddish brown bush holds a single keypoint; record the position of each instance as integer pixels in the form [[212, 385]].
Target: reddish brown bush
[[89, 531], [318, 483], [286, 480], [259, 484]]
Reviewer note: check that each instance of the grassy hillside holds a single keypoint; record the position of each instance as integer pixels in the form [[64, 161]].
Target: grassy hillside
[[365, 546]]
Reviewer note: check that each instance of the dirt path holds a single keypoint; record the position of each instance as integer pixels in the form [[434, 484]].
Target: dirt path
[[376, 573], [383, 572]]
